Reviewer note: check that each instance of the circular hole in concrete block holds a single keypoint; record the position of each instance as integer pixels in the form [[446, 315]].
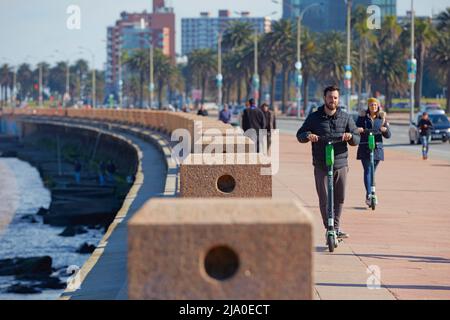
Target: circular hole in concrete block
[[221, 263], [226, 184]]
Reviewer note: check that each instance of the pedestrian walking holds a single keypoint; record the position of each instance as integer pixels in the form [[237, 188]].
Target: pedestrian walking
[[225, 114], [425, 126], [202, 111], [253, 121], [271, 123]]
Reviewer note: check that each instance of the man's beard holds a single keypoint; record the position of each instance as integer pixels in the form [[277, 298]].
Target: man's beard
[[331, 106]]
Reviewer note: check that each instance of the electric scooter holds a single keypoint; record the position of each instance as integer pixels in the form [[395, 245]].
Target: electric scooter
[[372, 146], [332, 239]]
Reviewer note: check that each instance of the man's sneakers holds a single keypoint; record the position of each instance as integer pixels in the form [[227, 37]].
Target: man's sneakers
[[342, 235]]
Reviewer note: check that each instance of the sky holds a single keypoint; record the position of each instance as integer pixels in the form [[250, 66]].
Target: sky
[[36, 30]]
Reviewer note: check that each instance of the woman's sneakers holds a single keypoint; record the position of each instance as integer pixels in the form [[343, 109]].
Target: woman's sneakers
[[369, 201]]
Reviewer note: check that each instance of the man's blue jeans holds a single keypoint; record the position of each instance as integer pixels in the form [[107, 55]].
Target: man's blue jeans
[[368, 174], [425, 140]]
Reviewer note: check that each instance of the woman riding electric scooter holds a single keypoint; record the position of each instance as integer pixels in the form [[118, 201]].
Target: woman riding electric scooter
[[374, 120]]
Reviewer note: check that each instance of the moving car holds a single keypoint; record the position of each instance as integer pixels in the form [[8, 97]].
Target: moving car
[[440, 131]]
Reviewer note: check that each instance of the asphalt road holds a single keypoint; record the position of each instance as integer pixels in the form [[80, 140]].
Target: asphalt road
[[399, 140]]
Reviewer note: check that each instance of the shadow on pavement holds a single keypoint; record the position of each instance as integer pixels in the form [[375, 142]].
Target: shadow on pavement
[[410, 258], [411, 287]]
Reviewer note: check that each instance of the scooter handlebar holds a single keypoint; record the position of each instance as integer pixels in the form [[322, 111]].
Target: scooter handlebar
[[332, 138], [376, 132]]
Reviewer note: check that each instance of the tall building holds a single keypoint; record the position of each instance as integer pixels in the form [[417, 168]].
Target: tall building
[[137, 31], [332, 14], [202, 32]]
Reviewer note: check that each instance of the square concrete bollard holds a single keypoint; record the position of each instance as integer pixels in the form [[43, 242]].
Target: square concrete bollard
[[217, 249], [228, 175]]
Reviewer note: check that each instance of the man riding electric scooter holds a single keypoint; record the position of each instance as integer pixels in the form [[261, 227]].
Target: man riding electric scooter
[[373, 127], [321, 129]]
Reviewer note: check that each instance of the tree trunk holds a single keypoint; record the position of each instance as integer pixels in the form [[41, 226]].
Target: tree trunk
[[305, 91], [284, 89], [239, 90], [160, 92], [249, 87], [273, 76], [361, 73], [419, 82], [203, 89], [388, 95], [448, 92], [141, 91], [261, 98]]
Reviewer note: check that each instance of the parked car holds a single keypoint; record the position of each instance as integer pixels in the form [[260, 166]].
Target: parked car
[[401, 105], [440, 131]]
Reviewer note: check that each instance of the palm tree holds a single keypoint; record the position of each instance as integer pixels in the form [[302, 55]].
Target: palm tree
[[281, 40], [24, 81], [365, 38], [202, 64], [309, 62], [388, 59], [425, 35], [5, 83], [237, 35], [138, 62], [237, 44], [440, 57], [80, 70], [57, 78], [440, 53], [444, 21], [270, 57], [389, 67], [163, 72], [331, 57]]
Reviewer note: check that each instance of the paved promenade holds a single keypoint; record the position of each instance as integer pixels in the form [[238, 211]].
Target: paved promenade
[[407, 239]]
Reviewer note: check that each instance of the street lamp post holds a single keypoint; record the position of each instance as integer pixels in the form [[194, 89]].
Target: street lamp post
[[66, 94], [348, 67], [256, 75], [412, 65], [298, 64], [40, 86], [219, 71]]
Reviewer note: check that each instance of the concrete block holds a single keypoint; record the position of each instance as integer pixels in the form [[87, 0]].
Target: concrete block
[[218, 249], [224, 176]]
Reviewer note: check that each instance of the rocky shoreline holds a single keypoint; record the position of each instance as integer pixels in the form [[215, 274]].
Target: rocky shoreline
[[78, 207]]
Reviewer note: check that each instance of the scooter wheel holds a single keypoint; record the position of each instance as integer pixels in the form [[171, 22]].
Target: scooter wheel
[[331, 243], [373, 205]]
